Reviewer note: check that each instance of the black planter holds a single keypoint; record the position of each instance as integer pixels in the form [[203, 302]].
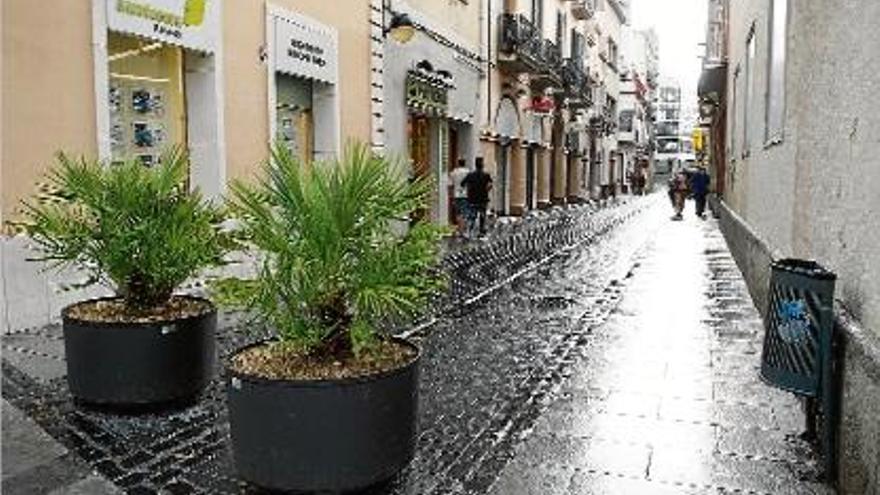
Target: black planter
[[134, 364], [323, 435]]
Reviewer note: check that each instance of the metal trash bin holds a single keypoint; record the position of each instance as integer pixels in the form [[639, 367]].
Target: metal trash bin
[[798, 351]]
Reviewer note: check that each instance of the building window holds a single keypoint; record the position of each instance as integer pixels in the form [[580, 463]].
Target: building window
[[538, 14], [626, 120], [775, 108], [560, 26], [747, 92]]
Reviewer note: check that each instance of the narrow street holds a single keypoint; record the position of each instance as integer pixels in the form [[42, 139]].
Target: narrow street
[[624, 363]]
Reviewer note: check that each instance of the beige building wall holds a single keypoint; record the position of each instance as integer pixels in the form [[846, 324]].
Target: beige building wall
[[247, 112], [49, 105], [47, 91], [460, 17]]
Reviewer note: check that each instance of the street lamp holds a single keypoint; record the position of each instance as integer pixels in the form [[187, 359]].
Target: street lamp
[[401, 28]]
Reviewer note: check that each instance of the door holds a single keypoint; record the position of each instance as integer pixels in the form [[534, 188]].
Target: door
[[420, 154], [530, 178], [502, 194], [294, 122]]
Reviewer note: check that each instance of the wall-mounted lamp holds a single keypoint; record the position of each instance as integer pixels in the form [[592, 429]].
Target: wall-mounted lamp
[[401, 28]]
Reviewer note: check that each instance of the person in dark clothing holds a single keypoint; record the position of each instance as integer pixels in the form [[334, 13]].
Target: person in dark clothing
[[478, 184], [700, 188]]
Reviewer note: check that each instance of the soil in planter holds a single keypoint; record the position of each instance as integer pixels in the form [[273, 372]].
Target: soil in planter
[[115, 311], [279, 362]]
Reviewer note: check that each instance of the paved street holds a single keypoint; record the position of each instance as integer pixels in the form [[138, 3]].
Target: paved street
[[605, 350]]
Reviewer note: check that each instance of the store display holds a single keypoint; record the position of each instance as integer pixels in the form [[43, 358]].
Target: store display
[[139, 128]]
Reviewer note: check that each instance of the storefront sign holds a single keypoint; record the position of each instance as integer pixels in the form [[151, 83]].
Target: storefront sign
[[189, 23], [426, 95], [305, 48]]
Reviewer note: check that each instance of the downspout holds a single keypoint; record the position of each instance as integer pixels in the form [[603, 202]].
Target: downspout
[[488, 57]]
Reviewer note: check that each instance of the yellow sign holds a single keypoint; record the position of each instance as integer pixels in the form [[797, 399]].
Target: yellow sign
[[697, 137], [193, 13]]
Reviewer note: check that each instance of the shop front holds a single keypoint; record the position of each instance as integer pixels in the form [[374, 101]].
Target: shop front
[[303, 71], [428, 105], [158, 83]]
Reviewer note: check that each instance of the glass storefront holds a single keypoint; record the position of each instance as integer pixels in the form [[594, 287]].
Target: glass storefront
[[294, 116], [146, 97]]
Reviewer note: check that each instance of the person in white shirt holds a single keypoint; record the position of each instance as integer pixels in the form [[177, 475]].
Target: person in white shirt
[[459, 194]]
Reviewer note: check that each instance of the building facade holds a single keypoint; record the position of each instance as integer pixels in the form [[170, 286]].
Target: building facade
[[638, 80], [426, 92], [712, 92], [667, 130], [125, 78], [799, 180]]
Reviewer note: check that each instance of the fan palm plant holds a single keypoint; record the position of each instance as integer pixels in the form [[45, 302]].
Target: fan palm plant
[[336, 258], [138, 230]]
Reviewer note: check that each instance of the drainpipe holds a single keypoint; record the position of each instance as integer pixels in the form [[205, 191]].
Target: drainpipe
[[488, 57]]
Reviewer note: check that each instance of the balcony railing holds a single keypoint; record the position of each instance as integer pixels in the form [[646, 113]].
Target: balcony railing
[[520, 44], [583, 9], [573, 143], [552, 59], [577, 83]]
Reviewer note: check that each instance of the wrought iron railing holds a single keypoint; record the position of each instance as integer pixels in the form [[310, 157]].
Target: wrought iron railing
[[520, 38]]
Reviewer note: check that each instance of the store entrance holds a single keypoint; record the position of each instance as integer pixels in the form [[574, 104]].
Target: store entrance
[[294, 118], [420, 154], [502, 198]]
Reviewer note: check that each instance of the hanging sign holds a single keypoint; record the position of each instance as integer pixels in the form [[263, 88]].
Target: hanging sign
[[305, 48], [188, 23], [428, 95]]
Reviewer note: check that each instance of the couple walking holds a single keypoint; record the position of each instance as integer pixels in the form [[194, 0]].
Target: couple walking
[[471, 193], [681, 185]]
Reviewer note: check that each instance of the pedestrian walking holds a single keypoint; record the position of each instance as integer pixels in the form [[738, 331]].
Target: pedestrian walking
[[700, 188], [459, 195], [478, 183], [678, 189]]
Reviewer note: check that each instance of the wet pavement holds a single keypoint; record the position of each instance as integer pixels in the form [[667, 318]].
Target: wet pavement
[[587, 350]]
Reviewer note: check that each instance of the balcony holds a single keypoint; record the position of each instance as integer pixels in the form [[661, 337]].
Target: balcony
[[576, 83], [520, 45], [573, 143], [583, 9], [550, 68]]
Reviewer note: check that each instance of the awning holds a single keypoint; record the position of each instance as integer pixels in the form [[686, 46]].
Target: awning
[[713, 83]]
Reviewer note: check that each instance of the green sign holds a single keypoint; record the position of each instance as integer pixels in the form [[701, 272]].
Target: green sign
[[425, 95]]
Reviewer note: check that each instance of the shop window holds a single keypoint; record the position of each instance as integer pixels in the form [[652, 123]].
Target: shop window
[[775, 108], [146, 98]]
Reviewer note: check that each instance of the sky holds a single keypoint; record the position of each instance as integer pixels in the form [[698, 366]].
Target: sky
[[681, 26]]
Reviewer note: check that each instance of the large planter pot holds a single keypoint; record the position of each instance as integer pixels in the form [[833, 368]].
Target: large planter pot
[[132, 364], [323, 435]]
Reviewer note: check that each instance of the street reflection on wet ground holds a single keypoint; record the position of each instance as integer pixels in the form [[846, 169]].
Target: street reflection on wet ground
[[666, 397], [615, 352]]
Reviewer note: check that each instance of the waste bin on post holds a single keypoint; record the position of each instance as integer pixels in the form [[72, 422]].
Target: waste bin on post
[[798, 343]]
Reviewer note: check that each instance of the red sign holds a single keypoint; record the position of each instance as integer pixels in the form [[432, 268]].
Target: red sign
[[542, 104]]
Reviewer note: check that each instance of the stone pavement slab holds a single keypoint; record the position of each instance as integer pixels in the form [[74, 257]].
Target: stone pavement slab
[[92, 485], [25, 445]]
